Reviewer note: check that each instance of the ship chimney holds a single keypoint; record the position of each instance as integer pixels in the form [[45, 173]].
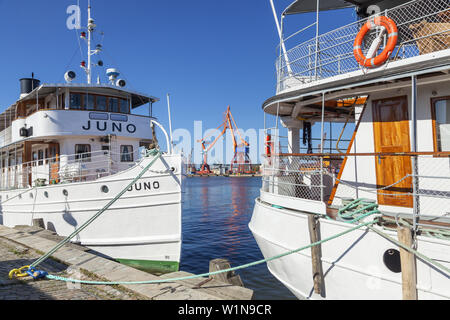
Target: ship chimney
[[27, 85]]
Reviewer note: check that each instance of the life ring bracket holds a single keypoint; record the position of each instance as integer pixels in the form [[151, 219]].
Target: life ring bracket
[[392, 35]]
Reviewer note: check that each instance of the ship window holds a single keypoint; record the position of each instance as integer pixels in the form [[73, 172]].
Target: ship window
[[11, 160], [53, 152], [98, 116], [83, 152], [89, 102], [34, 157], [41, 157], [101, 103], [113, 105], [441, 117], [119, 117], [61, 101], [75, 101], [126, 153], [124, 106]]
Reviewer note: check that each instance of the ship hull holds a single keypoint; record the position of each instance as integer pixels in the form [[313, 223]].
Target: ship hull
[[142, 228], [353, 265]]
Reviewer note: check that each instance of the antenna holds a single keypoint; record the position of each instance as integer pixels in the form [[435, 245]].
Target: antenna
[[170, 124], [90, 27], [88, 70], [280, 34]]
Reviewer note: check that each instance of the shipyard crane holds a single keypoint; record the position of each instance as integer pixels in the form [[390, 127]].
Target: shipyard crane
[[241, 161]]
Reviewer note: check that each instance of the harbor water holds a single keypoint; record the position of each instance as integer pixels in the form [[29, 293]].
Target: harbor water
[[216, 214]]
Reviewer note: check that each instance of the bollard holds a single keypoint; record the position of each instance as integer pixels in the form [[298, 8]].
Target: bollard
[[228, 277], [39, 223]]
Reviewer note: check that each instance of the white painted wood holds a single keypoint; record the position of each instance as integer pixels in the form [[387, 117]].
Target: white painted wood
[[353, 265], [144, 224]]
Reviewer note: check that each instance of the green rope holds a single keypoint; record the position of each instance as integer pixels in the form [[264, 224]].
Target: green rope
[[431, 232], [356, 215], [363, 216], [351, 205], [17, 195], [152, 152], [440, 234], [367, 209], [52, 277]]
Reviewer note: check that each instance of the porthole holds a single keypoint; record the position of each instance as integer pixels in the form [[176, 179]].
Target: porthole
[[391, 259], [105, 189], [65, 192], [46, 194]]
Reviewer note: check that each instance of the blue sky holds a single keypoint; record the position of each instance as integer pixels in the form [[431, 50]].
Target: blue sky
[[207, 54]]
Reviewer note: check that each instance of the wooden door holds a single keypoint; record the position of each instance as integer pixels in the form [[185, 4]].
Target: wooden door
[[26, 164], [53, 153], [391, 134]]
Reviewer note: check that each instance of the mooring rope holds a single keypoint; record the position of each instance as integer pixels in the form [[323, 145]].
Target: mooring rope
[[365, 209], [207, 274], [435, 232], [251, 264], [17, 195]]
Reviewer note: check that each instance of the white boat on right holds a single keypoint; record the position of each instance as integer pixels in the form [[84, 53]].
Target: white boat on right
[[366, 154]]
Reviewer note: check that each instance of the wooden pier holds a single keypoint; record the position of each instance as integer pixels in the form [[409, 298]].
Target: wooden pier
[[22, 245]]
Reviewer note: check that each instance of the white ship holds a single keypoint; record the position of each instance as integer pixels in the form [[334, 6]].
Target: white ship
[[385, 76], [67, 150]]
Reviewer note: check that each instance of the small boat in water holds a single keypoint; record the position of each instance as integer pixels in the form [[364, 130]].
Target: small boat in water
[[382, 192], [68, 149]]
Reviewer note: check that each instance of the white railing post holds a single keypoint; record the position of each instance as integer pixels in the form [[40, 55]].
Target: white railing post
[[321, 147], [416, 203], [170, 148], [317, 38]]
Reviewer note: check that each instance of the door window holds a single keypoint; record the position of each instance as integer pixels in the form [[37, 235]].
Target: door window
[[441, 113]]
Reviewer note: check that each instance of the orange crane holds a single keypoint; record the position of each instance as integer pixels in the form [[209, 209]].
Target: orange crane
[[241, 159]]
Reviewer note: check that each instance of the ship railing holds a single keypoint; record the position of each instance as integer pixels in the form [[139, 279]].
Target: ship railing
[[297, 177], [423, 27], [79, 167], [319, 177], [279, 144]]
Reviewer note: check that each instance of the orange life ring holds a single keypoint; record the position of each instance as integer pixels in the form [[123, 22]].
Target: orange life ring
[[392, 31], [268, 145]]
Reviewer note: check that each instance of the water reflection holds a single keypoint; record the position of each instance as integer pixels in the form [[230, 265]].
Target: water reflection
[[216, 213], [205, 198], [235, 224]]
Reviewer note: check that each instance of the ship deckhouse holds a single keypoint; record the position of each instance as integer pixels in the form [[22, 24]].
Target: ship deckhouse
[[82, 120]]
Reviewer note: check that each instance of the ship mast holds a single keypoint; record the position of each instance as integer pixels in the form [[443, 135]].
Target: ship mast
[[90, 28], [88, 38]]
